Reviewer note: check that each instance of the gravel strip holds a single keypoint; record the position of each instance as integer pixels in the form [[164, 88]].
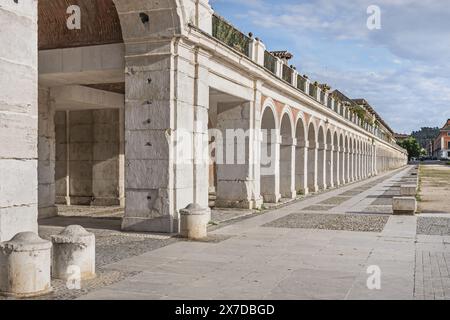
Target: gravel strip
[[345, 222], [433, 226]]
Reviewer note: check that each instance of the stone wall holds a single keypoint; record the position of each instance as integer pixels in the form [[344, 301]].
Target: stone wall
[[87, 168], [18, 118]]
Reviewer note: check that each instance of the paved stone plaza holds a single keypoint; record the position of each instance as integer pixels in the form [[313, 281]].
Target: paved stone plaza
[[295, 252]]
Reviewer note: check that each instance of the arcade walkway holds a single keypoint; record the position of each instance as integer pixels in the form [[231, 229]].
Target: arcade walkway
[[318, 248]]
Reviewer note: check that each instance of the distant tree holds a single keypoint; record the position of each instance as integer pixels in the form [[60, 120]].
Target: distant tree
[[425, 135], [412, 146]]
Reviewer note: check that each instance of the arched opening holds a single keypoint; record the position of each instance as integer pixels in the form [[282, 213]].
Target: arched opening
[[270, 148], [321, 159], [82, 74], [301, 154], [312, 159], [287, 160], [336, 156], [81, 112]]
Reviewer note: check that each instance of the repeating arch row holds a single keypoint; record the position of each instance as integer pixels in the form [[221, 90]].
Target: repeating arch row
[[308, 155]]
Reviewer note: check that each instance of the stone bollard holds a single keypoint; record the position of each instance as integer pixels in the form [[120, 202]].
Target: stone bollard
[[408, 190], [25, 266], [194, 222], [404, 205], [73, 254]]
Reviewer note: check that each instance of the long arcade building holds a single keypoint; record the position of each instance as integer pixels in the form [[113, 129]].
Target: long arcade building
[[93, 115]]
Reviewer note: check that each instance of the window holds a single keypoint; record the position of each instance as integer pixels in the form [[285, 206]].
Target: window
[[448, 133], [448, 145]]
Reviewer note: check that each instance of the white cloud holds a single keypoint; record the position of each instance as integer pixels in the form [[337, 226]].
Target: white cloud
[[408, 84]]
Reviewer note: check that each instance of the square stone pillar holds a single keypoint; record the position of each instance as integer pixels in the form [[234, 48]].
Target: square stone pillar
[[336, 166], [329, 166], [46, 153], [150, 116], [166, 133], [18, 118], [321, 166]]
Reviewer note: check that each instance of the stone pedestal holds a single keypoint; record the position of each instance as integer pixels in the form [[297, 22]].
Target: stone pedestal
[[404, 205], [194, 222], [73, 248], [25, 266]]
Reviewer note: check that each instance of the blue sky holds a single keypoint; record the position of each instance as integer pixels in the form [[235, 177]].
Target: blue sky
[[403, 69]]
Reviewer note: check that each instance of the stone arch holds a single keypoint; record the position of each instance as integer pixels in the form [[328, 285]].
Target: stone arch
[[269, 104], [301, 155], [269, 158], [287, 116]]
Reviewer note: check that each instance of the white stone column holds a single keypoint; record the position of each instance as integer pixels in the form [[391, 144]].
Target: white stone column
[[200, 128], [151, 111], [352, 164], [336, 166], [18, 118], [287, 168], [301, 168], [374, 160], [122, 158], [342, 166], [329, 166], [321, 166], [348, 157], [312, 167]]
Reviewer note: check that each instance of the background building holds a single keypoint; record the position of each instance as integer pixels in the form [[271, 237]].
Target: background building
[[442, 142]]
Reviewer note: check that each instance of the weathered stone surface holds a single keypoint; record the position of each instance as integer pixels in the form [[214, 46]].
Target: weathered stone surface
[[25, 266], [408, 190], [194, 221], [73, 251], [404, 205]]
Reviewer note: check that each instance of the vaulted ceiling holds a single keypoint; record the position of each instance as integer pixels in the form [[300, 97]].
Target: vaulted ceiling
[[99, 24]]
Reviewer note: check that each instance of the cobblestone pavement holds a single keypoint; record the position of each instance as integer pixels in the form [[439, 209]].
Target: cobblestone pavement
[[289, 252]]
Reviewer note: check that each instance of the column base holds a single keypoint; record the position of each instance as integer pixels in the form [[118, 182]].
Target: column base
[[304, 192], [313, 189]]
